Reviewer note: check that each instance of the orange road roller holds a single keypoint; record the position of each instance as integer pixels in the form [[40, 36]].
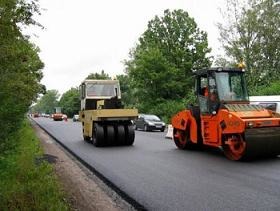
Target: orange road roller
[[224, 118]]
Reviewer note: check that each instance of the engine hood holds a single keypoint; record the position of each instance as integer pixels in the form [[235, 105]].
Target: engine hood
[[246, 111]]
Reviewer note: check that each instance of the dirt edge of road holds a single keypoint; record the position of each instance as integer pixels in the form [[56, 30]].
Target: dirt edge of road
[[85, 191]]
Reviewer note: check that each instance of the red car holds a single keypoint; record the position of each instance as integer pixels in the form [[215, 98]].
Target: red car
[[58, 117]]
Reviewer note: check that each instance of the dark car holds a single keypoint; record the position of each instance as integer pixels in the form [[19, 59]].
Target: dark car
[[149, 122]]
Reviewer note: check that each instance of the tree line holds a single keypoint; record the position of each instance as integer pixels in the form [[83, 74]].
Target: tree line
[[20, 65], [251, 33], [158, 73]]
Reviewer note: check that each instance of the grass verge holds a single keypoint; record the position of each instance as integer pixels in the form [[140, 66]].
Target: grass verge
[[27, 182]]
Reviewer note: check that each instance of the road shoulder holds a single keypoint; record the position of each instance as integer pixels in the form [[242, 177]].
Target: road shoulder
[[85, 191]]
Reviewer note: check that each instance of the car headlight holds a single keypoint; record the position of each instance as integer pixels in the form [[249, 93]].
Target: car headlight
[[151, 123], [163, 124]]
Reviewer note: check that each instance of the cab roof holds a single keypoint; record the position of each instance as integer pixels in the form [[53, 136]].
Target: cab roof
[[98, 81], [217, 69]]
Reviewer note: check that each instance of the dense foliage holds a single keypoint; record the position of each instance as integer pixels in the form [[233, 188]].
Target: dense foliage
[[98, 76], [128, 93], [20, 65], [252, 33], [272, 89], [70, 102], [24, 183], [47, 102], [160, 66]]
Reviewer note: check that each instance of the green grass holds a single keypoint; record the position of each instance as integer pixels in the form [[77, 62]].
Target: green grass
[[24, 183]]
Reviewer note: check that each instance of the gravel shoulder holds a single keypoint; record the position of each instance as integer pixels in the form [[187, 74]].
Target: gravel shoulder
[[84, 190]]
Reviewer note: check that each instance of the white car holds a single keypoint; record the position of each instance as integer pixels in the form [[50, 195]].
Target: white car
[[76, 118]]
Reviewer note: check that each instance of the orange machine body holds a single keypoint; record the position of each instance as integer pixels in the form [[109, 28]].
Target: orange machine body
[[227, 121]]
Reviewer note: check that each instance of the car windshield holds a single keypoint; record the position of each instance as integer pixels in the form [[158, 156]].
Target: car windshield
[[106, 90], [231, 86], [152, 118]]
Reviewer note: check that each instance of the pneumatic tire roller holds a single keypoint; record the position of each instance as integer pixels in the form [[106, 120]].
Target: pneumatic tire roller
[[105, 122]]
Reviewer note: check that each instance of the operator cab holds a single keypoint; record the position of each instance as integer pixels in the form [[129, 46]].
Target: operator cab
[[93, 91], [217, 86]]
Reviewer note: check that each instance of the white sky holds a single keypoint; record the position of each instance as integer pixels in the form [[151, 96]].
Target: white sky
[[87, 36]]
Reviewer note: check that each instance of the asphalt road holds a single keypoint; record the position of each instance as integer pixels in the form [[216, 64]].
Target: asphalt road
[[161, 177]]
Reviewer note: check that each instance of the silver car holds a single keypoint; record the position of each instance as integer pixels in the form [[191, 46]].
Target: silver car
[[149, 122]]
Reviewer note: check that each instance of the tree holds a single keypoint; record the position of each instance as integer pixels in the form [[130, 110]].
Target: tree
[[223, 62], [47, 103], [20, 65], [252, 33], [129, 97], [70, 102], [101, 76], [272, 89], [160, 66]]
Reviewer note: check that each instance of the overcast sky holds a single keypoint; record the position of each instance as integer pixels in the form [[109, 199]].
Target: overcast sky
[[86, 36]]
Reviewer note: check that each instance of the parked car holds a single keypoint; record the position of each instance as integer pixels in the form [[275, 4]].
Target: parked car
[[76, 118], [45, 115], [35, 115], [149, 122], [57, 116]]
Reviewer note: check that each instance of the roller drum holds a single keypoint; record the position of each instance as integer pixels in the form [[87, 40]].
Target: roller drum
[[262, 142]]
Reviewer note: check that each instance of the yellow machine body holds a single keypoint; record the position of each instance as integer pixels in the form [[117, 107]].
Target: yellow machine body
[[105, 121]]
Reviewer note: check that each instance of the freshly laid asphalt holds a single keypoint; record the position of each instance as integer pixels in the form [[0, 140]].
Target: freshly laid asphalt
[[161, 177]]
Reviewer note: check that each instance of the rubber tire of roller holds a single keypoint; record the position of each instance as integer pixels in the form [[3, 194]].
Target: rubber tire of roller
[[86, 138], [98, 135], [110, 135], [121, 135], [130, 135]]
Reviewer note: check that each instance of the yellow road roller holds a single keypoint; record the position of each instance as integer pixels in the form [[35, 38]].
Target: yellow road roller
[[104, 119]]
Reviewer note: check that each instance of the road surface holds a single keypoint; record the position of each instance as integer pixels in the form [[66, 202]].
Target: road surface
[[161, 177]]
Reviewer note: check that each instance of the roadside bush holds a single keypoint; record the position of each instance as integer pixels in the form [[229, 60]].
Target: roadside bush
[[25, 183], [167, 109]]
